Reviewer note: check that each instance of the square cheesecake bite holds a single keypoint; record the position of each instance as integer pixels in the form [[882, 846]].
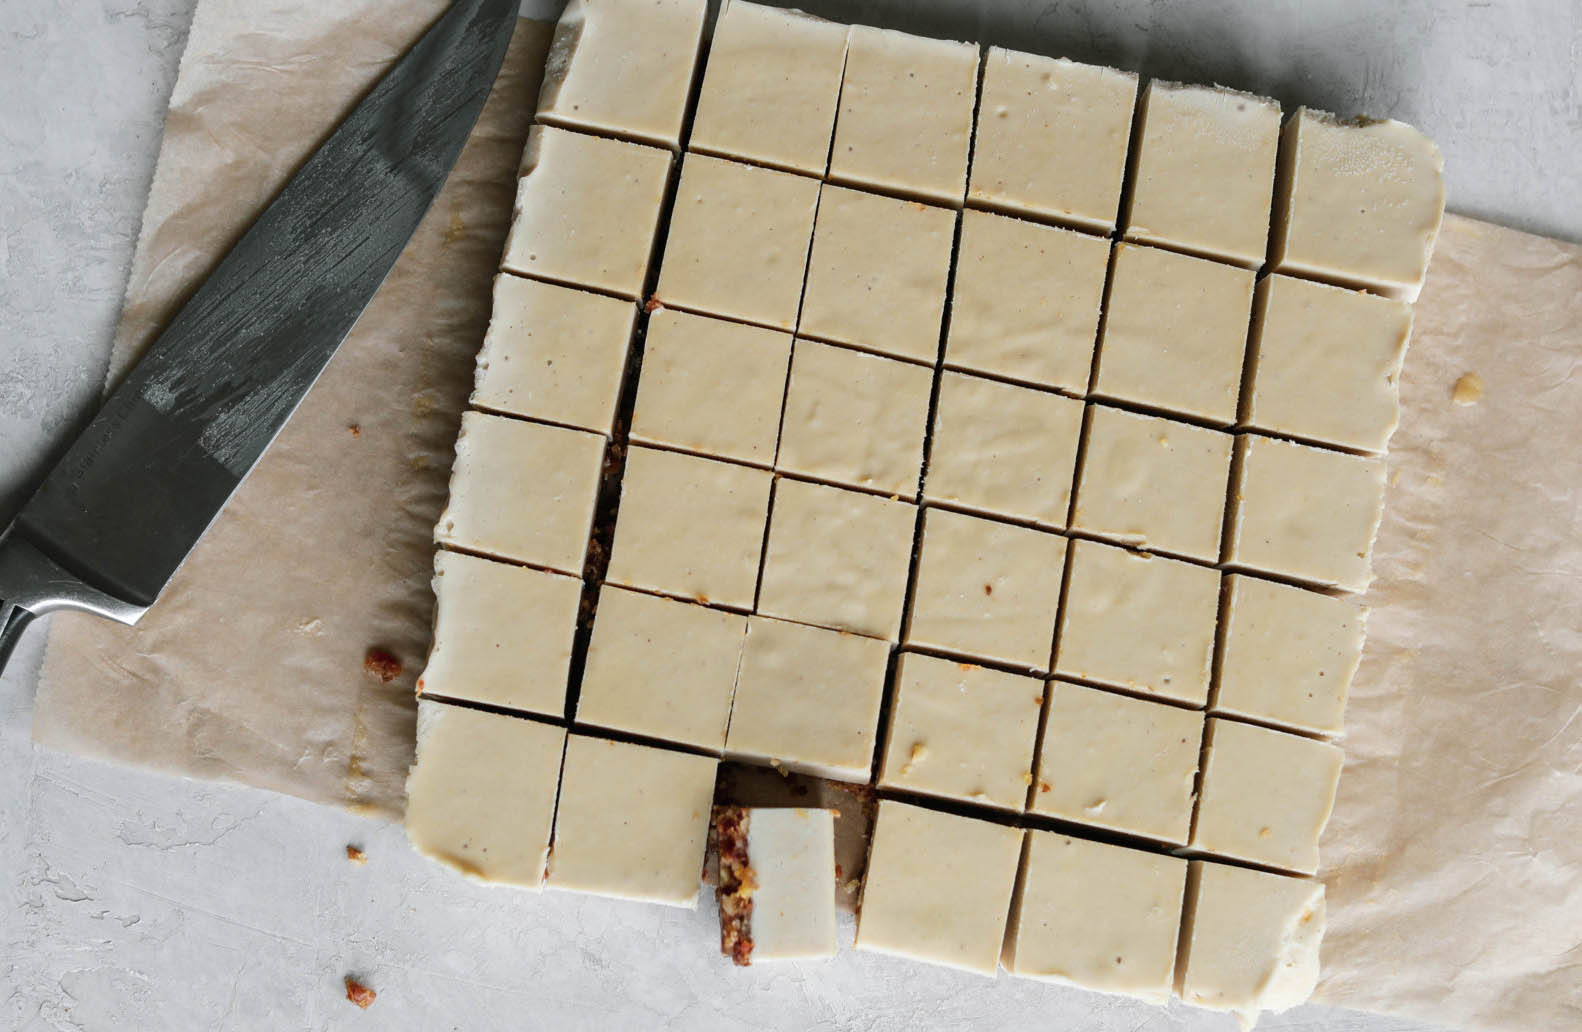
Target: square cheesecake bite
[[690, 527], [632, 821], [1096, 916], [855, 418], [1359, 202], [777, 883], [1174, 333], [1025, 301], [1139, 622], [1303, 512], [986, 589], [522, 491], [938, 887], [471, 769], [837, 558], [1117, 762], [1204, 171], [1250, 941], [623, 68], [1287, 655], [961, 732], [502, 634], [1036, 113], [905, 121], [808, 699], [1266, 795], [770, 89], [711, 386], [586, 211], [738, 239], [1153, 482], [660, 668], [877, 274], [1003, 449], [1323, 363], [554, 353]]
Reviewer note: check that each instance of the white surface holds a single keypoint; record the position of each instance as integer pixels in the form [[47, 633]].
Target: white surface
[[131, 900]]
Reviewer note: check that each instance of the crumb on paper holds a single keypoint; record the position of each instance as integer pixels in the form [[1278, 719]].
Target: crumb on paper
[[356, 855], [359, 994], [1468, 389], [383, 664]]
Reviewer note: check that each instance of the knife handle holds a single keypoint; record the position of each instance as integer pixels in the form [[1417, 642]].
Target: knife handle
[[32, 584]]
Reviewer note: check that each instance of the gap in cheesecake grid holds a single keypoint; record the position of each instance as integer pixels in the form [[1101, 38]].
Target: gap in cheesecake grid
[[602, 536], [887, 697]]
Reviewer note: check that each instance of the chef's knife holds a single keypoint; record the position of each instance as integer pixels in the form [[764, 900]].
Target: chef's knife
[[116, 516]]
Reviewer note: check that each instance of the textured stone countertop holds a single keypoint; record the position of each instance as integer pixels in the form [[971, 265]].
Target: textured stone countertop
[[130, 900]]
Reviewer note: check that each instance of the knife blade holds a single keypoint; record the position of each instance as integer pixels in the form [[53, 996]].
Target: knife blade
[[112, 521]]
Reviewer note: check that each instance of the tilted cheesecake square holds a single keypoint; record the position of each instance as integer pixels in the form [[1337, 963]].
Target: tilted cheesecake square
[[808, 699], [777, 883], [522, 491], [1304, 512], [1287, 655], [1116, 762], [738, 239], [1037, 113], [471, 767], [1174, 333], [586, 211], [1359, 202], [554, 353], [1152, 482], [1025, 301], [632, 821], [877, 274], [1266, 795], [770, 88], [502, 634], [837, 558], [1250, 940], [1324, 363], [711, 386], [623, 68], [986, 589], [1203, 175], [961, 731], [1140, 622], [1003, 449], [690, 526], [938, 887], [905, 121], [1096, 916], [855, 418], [661, 668]]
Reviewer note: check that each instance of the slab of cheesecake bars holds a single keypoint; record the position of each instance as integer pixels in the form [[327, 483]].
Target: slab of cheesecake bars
[[998, 436]]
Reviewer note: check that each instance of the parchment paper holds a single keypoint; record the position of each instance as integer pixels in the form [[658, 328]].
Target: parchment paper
[[1454, 859], [251, 666]]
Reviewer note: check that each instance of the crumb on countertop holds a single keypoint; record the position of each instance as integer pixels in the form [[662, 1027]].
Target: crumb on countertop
[[383, 664], [355, 429], [358, 993]]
